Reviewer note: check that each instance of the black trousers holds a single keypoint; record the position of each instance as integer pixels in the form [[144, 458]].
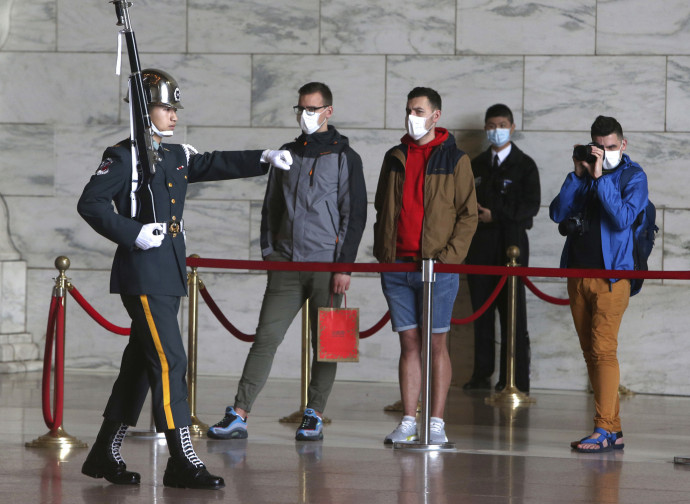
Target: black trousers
[[154, 358], [487, 249]]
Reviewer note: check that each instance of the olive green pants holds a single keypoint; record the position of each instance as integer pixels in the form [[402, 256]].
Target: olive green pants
[[286, 292]]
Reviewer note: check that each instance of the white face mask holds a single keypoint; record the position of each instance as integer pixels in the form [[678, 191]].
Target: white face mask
[[416, 126], [310, 123], [498, 136], [611, 159]]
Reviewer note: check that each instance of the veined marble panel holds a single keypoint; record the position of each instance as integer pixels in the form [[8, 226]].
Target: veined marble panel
[[27, 25], [631, 89], [8, 251], [215, 89], [78, 152], [678, 93], [27, 170], [676, 242], [44, 228], [28, 96], [91, 27], [357, 84], [12, 297], [217, 228], [363, 27], [258, 26], [643, 27], [467, 85], [664, 159], [526, 27]]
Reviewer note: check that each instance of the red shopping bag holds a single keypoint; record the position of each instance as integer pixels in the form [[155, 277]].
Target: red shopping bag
[[338, 334]]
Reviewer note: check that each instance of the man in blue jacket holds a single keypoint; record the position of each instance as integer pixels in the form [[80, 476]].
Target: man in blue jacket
[[596, 212], [316, 212]]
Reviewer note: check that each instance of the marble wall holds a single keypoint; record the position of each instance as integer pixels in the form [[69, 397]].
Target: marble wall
[[556, 63]]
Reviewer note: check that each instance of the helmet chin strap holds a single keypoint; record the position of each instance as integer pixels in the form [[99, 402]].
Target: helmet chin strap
[[161, 133]]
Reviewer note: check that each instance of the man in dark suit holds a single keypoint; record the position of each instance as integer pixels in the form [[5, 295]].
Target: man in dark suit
[[149, 273], [508, 198]]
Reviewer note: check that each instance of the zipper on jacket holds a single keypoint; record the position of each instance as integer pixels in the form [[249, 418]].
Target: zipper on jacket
[[311, 173]]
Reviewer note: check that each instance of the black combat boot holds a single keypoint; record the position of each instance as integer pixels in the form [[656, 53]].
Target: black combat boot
[[104, 459], [184, 469]]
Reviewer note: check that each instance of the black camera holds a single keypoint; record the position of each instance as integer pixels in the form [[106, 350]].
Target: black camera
[[584, 152], [576, 225]]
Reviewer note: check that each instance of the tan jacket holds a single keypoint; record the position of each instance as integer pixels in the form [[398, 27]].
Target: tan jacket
[[450, 204]]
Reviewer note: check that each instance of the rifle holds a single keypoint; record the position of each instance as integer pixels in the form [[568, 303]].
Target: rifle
[[144, 157]]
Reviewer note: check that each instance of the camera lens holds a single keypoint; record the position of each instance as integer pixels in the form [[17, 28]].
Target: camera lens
[[582, 152]]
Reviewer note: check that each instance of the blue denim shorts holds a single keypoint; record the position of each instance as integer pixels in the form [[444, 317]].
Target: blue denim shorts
[[404, 293]]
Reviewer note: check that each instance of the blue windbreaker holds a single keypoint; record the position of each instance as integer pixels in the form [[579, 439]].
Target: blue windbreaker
[[619, 209]]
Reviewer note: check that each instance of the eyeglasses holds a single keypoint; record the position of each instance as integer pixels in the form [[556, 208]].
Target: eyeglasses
[[310, 110]]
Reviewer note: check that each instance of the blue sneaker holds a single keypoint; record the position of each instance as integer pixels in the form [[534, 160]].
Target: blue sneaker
[[311, 428], [232, 426]]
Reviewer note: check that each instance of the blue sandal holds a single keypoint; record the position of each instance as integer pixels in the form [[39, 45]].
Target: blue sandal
[[604, 436], [614, 436]]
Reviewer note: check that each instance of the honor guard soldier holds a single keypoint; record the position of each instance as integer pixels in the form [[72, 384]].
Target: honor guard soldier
[[149, 274]]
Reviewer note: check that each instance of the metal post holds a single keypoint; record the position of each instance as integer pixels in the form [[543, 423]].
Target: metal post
[[198, 428], [305, 370], [511, 394], [424, 444], [58, 438]]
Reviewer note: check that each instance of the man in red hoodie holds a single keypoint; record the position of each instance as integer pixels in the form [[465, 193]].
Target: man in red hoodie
[[426, 208]]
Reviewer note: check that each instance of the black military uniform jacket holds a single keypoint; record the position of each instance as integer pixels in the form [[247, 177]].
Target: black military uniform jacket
[[160, 270], [512, 192]]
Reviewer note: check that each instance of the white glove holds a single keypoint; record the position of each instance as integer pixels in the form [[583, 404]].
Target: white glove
[[278, 158], [151, 235]]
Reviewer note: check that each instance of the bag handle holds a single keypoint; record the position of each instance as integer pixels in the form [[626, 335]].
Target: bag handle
[[344, 296]]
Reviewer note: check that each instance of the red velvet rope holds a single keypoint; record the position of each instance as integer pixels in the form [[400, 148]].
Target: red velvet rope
[[543, 295], [122, 331], [438, 267], [484, 307], [54, 334], [248, 338]]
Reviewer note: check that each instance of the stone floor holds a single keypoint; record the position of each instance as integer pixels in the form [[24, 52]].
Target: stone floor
[[500, 456]]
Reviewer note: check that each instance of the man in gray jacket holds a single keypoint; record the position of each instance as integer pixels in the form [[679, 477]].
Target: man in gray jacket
[[314, 213]]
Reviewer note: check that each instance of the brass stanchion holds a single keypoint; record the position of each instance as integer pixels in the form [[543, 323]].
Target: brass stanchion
[[198, 428], [57, 437], [511, 395]]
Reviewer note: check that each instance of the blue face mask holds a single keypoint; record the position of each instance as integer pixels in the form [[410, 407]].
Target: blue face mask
[[499, 136]]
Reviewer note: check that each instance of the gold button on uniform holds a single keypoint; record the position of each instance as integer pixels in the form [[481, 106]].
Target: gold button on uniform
[[174, 218], [169, 184], [173, 200]]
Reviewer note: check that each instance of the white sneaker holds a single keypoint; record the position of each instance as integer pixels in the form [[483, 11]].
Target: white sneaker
[[405, 432], [437, 432]]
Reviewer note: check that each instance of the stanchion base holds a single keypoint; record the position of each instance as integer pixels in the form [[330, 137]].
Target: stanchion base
[[56, 439], [681, 460], [198, 428], [296, 417], [398, 445], [510, 396]]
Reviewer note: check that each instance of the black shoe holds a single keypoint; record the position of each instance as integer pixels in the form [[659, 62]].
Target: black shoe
[[477, 384], [104, 459], [185, 469], [181, 473], [500, 386]]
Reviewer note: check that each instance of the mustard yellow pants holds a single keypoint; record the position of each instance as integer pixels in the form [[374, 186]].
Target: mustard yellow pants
[[597, 306]]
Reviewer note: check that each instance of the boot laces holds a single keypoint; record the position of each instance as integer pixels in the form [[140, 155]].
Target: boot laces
[[117, 443], [188, 448]]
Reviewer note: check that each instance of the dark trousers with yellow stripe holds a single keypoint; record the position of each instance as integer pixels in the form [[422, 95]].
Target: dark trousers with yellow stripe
[[154, 358]]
